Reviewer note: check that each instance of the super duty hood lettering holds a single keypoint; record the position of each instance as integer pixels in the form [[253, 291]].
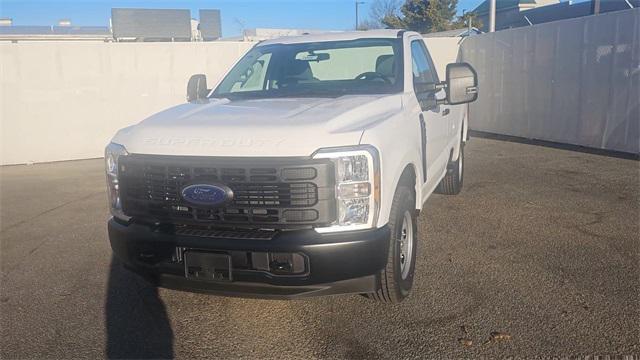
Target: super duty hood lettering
[[212, 142]]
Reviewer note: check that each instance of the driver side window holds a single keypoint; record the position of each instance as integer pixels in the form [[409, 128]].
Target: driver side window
[[423, 71]]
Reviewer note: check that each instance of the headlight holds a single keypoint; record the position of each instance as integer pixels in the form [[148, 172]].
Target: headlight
[[357, 186], [111, 155]]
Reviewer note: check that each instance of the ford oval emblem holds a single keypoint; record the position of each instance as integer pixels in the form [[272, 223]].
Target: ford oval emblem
[[207, 194]]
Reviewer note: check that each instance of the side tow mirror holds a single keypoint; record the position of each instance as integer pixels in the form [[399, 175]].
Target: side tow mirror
[[426, 94], [197, 88], [462, 83]]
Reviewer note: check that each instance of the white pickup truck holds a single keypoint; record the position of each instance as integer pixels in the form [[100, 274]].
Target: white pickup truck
[[301, 173]]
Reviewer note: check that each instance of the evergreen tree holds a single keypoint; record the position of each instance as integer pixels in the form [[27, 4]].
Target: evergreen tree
[[424, 16]]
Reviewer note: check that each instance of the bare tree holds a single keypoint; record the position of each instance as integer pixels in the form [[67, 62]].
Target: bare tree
[[369, 24], [381, 9], [241, 24]]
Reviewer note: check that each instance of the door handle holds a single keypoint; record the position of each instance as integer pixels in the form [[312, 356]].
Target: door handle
[[445, 112]]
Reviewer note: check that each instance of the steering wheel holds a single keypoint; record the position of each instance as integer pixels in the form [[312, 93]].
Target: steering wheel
[[372, 75]]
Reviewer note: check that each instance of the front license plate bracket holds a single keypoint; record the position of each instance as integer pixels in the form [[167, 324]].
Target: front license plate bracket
[[207, 266]]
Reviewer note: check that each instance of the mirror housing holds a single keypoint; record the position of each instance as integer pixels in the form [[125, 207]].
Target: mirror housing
[[197, 88], [462, 84]]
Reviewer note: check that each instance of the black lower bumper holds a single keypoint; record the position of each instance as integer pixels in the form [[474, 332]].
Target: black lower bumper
[[336, 263]]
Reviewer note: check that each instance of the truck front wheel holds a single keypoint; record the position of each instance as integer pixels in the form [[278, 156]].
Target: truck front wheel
[[396, 278]]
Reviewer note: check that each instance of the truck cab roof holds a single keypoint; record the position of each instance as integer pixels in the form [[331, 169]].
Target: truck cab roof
[[335, 36]]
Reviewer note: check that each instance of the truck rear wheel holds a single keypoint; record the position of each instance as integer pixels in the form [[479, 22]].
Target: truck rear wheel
[[396, 278], [451, 184]]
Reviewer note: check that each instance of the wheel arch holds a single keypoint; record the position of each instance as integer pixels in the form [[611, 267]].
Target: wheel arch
[[464, 124], [409, 178], [406, 174]]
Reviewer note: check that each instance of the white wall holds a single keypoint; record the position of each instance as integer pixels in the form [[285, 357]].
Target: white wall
[[64, 100], [443, 50]]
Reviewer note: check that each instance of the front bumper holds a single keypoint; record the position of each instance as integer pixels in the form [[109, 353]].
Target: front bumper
[[338, 263]]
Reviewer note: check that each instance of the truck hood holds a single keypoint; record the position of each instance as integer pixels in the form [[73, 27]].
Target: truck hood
[[258, 127]]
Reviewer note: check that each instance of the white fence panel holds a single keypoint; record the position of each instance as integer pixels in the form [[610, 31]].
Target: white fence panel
[[573, 81]]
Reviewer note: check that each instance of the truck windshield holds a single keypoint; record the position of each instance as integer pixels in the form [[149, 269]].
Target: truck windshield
[[319, 69]]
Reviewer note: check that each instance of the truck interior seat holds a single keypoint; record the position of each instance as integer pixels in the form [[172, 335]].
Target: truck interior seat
[[299, 71], [385, 66]]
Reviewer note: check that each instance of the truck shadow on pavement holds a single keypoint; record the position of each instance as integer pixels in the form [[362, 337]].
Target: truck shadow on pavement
[[136, 319]]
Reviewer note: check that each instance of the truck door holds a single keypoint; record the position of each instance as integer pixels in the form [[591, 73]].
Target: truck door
[[433, 118]]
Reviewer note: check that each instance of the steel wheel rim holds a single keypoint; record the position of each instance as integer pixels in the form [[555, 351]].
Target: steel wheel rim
[[406, 244]]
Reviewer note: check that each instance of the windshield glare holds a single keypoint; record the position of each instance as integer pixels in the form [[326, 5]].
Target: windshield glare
[[323, 69]]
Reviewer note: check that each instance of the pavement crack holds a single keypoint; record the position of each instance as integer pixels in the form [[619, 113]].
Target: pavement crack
[[6, 274], [48, 211]]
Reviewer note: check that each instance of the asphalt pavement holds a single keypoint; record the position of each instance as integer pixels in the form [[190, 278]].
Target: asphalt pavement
[[542, 246]]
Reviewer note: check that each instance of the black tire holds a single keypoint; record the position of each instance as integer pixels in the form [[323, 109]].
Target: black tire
[[395, 284], [452, 182]]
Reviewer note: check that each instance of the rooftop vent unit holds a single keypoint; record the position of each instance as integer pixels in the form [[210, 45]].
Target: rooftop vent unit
[[151, 24]]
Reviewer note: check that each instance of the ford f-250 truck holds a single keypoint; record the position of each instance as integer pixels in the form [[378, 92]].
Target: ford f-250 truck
[[301, 173]]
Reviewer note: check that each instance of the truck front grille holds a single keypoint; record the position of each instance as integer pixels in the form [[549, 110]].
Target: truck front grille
[[268, 193]]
